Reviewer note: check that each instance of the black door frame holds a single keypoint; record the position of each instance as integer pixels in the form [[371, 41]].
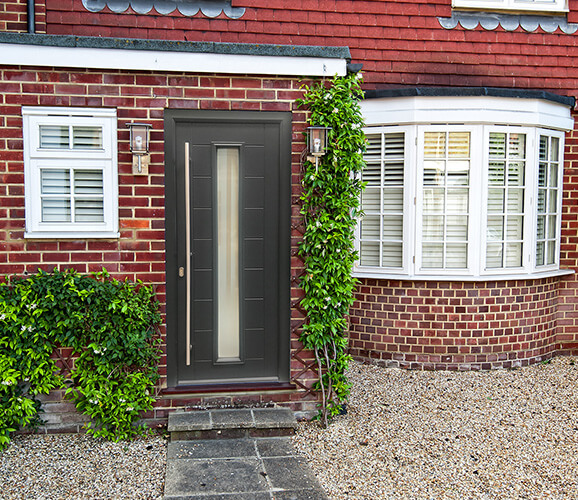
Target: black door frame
[[172, 117]]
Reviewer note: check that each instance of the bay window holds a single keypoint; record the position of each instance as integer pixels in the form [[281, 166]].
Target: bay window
[[70, 172], [461, 199]]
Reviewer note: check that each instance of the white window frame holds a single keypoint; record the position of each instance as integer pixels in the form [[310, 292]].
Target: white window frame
[[415, 116], [474, 195], [408, 195], [547, 6], [560, 136], [36, 158]]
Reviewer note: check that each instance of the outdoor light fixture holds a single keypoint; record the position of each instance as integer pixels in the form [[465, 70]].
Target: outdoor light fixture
[[317, 140], [316, 143], [139, 147]]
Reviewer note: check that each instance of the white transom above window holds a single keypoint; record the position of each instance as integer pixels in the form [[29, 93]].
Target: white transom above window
[[452, 192], [545, 6], [70, 159]]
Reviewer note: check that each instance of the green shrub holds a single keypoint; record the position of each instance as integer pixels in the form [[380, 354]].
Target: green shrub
[[111, 327]]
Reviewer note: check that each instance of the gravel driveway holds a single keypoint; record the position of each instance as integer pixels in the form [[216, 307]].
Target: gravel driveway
[[77, 466], [452, 435], [412, 435]]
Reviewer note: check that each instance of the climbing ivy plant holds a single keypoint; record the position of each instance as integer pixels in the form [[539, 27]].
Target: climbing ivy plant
[[111, 327], [330, 207]]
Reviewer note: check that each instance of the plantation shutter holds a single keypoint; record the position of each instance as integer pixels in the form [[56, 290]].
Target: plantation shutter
[[446, 190], [71, 194], [548, 200], [381, 228], [506, 199]]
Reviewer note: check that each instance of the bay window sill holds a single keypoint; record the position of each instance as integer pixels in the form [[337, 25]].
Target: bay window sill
[[553, 273]]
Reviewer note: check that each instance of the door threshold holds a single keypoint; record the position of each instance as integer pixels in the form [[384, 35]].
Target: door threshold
[[228, 387]]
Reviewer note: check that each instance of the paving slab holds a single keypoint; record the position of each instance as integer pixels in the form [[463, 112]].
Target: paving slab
[[227, 419], [274, 418], [243, 469], [275, 447], [215, 476], [190, 420], [286, 472]]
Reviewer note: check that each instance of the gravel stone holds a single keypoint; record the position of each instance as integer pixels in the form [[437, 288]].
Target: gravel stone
[[504, 434], [78, 466]]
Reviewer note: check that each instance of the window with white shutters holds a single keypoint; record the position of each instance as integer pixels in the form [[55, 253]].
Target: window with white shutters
[[549, 200], [514, 5], [460, 200], [445, 200], [506, 206], [381, 228], [71, 172]]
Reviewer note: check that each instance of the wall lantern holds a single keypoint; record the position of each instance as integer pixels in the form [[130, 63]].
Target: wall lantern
[[317, 140], [139, 147]]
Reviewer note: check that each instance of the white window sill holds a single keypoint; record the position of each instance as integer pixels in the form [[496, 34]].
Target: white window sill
[[89, 235], [444, 277]]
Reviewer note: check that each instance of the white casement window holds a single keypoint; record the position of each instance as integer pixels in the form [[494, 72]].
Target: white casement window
[[552, 6], [463, 200], [71, 176]]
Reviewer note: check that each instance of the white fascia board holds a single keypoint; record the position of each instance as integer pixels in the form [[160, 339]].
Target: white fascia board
[[153, 60], [483, 109]]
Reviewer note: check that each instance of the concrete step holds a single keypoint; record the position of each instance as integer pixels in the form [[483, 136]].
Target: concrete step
[[231, 423]]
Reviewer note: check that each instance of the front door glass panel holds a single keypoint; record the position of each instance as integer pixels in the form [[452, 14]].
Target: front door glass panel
[[227, 180]]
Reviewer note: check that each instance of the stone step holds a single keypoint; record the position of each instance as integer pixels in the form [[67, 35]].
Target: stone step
[[231, 423]]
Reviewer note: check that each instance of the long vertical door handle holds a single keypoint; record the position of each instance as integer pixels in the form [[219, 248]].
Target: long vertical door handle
[[188, 250]]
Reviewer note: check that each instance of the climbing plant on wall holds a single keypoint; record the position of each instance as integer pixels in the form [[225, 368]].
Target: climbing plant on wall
[[110, 325], [330, 207]]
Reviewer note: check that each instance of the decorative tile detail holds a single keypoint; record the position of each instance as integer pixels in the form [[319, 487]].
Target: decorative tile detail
[[509, 22], [210, 8]]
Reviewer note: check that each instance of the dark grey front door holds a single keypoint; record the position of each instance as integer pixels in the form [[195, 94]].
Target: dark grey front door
[[227, 236]]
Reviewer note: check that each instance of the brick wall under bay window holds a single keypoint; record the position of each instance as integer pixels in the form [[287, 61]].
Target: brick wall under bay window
[[455, 325], [139, 253]]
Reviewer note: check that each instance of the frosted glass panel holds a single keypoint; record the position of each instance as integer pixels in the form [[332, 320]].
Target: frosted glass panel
[[227, 179]]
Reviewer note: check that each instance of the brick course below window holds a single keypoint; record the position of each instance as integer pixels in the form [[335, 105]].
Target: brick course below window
[[455, 326]]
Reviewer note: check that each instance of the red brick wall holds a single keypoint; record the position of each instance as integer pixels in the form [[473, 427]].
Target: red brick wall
[[14, 16], [399, 42], [567, 310], [139, 253], [451, 326]]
